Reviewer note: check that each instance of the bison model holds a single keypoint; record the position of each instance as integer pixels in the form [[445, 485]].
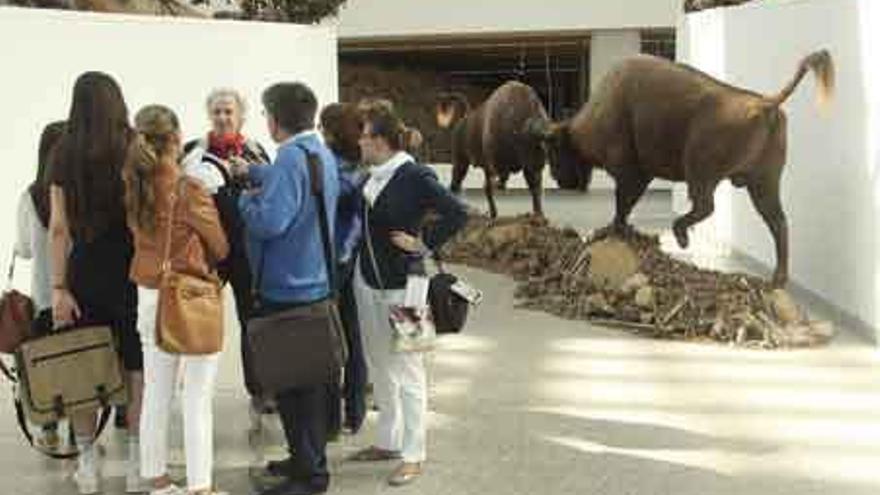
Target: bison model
[[650, 118], [502, 136]]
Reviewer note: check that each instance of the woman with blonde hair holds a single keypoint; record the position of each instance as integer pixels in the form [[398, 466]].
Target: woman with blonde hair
[[162, 204]]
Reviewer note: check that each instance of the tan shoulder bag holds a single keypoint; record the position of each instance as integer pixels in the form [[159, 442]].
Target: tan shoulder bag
[[190, 309]]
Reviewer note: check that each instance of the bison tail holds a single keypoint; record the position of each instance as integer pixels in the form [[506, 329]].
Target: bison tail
[[822, 66]]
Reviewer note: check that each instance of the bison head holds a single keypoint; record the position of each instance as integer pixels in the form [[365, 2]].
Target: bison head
[[567, 166], [451, 108]]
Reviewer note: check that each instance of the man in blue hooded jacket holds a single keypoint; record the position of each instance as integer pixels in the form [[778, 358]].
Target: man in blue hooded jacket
[[287, 258]]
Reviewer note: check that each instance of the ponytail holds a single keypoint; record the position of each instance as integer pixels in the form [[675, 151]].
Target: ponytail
[[138, 173]]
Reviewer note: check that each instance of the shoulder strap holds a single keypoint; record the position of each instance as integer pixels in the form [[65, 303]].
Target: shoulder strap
[[9, 374], [22, 425], [11, 272], [166, 252], [316, 180], [316, 184], [189, 145], [215, 161], [368, 238]]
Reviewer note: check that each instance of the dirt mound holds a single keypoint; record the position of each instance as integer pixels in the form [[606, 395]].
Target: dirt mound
[[628, 281]]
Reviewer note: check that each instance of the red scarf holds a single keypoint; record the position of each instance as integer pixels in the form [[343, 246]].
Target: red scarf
[[226, 145]]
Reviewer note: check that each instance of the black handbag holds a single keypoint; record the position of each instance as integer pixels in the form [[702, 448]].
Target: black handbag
[[450, 299], [303, 345]]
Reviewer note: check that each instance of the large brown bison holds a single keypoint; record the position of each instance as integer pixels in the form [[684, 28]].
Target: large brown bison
[[502, 136], [653, 118]]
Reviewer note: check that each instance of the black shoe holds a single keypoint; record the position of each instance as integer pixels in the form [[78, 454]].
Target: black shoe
[[120, 419], [352, 425], [285, 467], [294, 487]]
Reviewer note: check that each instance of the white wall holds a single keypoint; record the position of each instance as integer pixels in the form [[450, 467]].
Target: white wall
[[380, 18], [155, 60], [831, 186], [608, 48]]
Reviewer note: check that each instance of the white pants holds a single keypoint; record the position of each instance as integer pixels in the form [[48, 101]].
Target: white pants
[[399, 384], [160, 377]]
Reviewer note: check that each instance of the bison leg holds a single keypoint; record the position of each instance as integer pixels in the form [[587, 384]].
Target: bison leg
[[459, 171], [628, 190], [703, 198], [765, 197], [489, 188], [533, 179], [502, 181]]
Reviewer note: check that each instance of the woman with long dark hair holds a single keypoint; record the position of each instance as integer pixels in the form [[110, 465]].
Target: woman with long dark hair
[[91, 249]]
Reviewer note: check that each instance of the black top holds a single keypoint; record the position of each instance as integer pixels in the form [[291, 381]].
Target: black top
[[404, 204], [226, 201]]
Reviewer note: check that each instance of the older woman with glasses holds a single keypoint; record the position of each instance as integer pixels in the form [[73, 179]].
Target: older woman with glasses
[[208, 159]]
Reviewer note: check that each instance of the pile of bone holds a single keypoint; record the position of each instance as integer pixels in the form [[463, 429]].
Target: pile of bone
[[627, 281]]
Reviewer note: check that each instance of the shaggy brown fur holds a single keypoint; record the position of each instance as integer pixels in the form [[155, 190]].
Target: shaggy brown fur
[[502, 136], [654, 118]]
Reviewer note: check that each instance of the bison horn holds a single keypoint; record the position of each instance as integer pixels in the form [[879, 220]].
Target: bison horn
[[544, 129]]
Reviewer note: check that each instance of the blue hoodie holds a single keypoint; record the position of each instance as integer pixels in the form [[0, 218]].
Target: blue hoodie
[[281, 223], [349, 210]]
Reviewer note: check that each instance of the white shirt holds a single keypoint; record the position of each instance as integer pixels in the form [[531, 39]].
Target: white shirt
[[381, 175], [33, 243]]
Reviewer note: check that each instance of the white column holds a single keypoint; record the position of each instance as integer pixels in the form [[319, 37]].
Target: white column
[[607, 48]]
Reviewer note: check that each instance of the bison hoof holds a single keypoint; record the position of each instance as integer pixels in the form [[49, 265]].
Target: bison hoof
[[681, 235], [623, 229]]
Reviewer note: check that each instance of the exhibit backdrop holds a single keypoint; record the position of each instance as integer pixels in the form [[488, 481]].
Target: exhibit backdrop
[[172, 61]]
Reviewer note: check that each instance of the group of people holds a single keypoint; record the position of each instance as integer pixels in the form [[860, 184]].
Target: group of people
[[109, 195]]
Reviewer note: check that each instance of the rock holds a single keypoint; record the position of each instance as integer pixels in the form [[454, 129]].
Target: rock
[[799, 336], [823, 330], [506, 234], [628, 279], [612, 262], [629, 313], [634, 283], [784, 307], [599, 305], [645, 297]]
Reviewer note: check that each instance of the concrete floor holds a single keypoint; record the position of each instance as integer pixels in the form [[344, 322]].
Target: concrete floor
[[526, 403]]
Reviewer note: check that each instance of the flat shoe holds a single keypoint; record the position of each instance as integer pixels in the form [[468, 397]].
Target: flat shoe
[[405, 474], [374, 454]]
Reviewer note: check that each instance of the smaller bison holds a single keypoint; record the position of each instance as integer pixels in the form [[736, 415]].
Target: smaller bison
[[653, 118], [502, 136]]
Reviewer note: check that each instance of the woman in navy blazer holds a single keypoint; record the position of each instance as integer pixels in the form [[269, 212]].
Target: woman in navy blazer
[[399, 195]]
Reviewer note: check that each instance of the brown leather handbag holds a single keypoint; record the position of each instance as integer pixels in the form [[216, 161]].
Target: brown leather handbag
[[189, 317], [16, 315]]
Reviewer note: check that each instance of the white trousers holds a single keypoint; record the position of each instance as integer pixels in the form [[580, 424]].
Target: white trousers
[[160, 378], [399, 380]]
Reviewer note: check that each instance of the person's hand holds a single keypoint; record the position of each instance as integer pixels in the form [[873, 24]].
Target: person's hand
[[238, 166], [65, 310], [407, 242]]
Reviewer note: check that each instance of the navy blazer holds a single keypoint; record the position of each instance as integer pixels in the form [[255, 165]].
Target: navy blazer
[[404, 204]]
